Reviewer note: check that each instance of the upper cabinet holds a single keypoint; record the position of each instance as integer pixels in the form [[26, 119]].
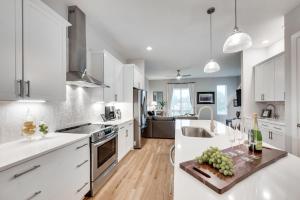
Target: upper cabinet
[[10, 49], [113, 77], [33, 58], [137, 77], [270, 80], [279, 78]]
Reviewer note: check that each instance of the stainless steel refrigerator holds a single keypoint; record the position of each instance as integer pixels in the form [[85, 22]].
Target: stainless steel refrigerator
[[140, 115]]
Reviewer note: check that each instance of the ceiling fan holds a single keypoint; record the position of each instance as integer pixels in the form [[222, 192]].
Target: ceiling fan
[[180, 76]]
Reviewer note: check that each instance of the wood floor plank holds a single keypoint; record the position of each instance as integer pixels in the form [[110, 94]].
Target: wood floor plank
[[144, 174]]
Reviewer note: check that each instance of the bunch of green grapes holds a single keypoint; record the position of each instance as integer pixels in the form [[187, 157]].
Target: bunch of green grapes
[[213, 156]]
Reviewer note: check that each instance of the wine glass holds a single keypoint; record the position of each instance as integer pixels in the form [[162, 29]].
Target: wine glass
[[231, 137]]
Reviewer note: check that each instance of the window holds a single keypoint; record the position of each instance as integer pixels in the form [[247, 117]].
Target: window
[[222, 100], [181, 102]]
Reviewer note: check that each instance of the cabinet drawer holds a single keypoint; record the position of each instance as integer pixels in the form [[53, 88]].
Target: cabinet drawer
[[17, 182]]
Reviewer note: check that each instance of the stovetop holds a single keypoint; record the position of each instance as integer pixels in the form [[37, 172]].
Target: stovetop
[[85, 129], [97, 131]]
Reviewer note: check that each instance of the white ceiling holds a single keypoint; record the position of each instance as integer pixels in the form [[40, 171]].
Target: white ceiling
[[178, 30]]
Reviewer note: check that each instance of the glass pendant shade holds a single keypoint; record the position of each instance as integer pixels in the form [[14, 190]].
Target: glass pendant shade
[[211, 67], [238, 41]]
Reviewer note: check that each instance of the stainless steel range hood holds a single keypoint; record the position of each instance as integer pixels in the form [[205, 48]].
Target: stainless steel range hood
[[77, 74]]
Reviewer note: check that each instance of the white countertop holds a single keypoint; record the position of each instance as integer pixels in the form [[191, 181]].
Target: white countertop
[[280, 122], [115, 122], [279, 181], [17, 152]]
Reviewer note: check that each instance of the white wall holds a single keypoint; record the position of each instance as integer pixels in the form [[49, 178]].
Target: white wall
[[203, 85], [292, 26], [81, 105], [250, 58]]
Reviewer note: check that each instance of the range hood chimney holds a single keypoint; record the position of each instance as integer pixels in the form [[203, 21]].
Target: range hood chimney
[[77, 74]]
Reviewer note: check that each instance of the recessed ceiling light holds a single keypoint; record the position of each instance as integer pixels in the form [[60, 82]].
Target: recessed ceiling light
[[149, 48], [265, 42]]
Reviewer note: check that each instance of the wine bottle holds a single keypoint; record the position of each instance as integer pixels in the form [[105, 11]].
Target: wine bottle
[[255, 136]]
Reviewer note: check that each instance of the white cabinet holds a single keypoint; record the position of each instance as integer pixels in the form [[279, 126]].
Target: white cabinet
[[272, 133], [113, 77], [10, 49], [264, 81], [121, 142], [279, 78], [118, 81], [44, 39], [72, 163], [135, 76], [128, 85], [270, 80], [40, 42], [125, 139]]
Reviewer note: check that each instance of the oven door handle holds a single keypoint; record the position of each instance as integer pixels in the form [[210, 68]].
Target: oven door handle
[[104, 141]]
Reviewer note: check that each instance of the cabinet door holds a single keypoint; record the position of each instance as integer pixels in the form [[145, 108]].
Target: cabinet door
[[10, 49], [130, 136], [121, 142], [279, 78], [118, 81], [137, 77], [109, 71], [128, 78], [264, 82], [277, 139], [259, 79], [44, 39]]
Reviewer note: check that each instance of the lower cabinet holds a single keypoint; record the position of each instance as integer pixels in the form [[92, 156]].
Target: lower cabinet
[[125, 139], [61, 174], [272, 133]]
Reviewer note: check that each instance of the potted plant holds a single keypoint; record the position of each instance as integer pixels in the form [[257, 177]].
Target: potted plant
[[162, 104]]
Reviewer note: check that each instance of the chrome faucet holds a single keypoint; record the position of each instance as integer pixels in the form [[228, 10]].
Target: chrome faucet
[[212, 123], [274, 114]]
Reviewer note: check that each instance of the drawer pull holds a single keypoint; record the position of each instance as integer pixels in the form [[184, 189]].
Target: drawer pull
[[81, 146], [82, 187], [122, 127], [27, 171], [277, 128], [34, 195], [82, 164]]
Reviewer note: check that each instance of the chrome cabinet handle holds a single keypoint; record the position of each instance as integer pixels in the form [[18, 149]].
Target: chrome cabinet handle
[[27, 171], [298, 125], [34, 195], [271, 135], [121, 127], [171, 153], [277, 128], [81, 146], [82, 163], [28, 88], [82, 187], [20, 82]]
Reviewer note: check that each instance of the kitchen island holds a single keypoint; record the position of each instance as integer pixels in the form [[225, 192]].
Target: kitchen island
[[279, 181]]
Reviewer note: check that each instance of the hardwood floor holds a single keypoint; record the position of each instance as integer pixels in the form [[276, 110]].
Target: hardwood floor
[[144, 174]]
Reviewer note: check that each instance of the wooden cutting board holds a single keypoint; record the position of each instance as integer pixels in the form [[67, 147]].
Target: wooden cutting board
[[242, 169]]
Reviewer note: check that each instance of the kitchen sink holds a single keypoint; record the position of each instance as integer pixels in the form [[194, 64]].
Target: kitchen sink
[[195, 132]]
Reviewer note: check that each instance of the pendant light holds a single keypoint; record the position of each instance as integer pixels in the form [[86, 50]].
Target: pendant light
[[211, 66], [238, 40]]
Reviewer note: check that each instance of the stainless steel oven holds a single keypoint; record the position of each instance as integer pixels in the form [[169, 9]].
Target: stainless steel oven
[[104, 158]]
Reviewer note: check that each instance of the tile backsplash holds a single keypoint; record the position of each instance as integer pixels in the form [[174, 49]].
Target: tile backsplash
[[82, 105]]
